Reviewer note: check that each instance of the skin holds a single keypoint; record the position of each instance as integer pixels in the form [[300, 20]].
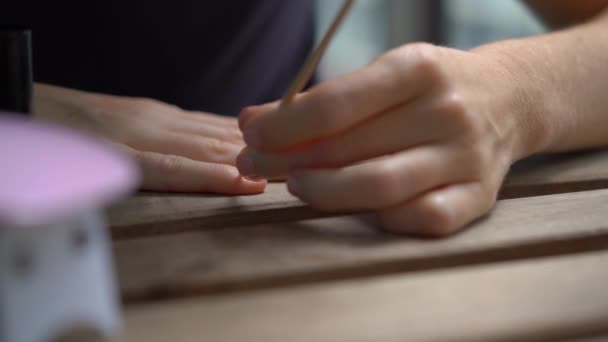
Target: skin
[[177, 150], [425, 135]]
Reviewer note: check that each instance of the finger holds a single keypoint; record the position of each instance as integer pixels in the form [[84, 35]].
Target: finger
[[334, 106], [253, 163], [211, 130], [379, 183], [248, 113], [146, 109], [213, 119], [399, 129], [440, 212], [194, 147], [163, 172]]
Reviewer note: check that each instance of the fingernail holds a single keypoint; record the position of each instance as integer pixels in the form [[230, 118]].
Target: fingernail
[[246, 166], [254, 179], [251, 136], [293, 185]]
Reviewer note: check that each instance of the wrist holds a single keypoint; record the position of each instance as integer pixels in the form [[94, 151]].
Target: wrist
[[521, 101], [55, 104], [68, 107]]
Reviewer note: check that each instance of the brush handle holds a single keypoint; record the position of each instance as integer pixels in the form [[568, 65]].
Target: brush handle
[[309, 67]]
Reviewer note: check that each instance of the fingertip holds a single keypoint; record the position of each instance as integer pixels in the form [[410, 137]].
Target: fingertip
[[440, 213], [250, 186], [246, 165], [230, 182], [178, 174]]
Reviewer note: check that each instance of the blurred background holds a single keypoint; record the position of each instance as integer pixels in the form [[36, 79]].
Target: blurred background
[[375, 26]]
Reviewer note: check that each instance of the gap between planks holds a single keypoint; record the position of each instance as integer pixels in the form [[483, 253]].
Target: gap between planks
[[270, 256], [156, 214], [542, 300]]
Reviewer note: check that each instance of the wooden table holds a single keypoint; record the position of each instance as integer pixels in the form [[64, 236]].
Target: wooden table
[[268, 268]]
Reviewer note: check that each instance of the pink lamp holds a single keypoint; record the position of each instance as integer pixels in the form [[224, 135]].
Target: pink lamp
[[55, 262]]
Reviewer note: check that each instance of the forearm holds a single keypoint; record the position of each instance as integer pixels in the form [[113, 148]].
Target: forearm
[[564, 78]]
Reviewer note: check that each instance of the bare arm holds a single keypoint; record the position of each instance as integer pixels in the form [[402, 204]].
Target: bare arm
[[565, 76], [561, 13]]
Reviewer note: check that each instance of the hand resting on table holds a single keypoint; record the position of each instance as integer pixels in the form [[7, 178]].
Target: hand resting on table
[[177, 150]]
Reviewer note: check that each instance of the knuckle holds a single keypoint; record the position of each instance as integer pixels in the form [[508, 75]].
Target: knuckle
[[416, 62], [394, 60], [212, 146], [454, 110], [385, 182], [425, 61], [170, 164], [234, 135], [436, 217]]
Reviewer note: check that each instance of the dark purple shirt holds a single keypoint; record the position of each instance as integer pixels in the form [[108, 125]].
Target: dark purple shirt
[[208, 55]]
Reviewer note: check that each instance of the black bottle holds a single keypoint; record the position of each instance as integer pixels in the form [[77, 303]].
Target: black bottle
[[16, 80]]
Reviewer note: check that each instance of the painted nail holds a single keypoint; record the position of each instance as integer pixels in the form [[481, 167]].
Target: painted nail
[[254, 179], [246, 166], [251, 137], [293, 185]]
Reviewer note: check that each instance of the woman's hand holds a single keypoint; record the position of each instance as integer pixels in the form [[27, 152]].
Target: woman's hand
[[177, 150], [423, 137]]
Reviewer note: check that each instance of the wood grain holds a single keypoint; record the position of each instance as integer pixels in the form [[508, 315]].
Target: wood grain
[[598, 338], [154, 214], [267, 256], [533, 301], [545, 175], [157, 214]]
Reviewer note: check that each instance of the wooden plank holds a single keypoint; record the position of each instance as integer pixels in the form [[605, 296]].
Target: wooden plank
[[153, 214], [545, 175], [225, 260], [545, 300], [603, 338]]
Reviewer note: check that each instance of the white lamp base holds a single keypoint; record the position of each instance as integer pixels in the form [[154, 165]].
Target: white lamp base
[[57, 278]]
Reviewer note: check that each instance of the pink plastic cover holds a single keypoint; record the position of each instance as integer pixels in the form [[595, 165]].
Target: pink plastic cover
[[49, 172]]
